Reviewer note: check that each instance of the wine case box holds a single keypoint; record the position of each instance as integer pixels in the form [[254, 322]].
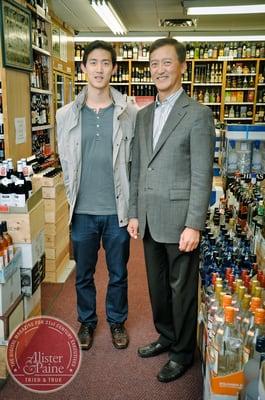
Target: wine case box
[[38, 180], [54, 192], [31, 278], [32, 303], [12, 318], [32, 252], [53, 241], [31, 202], [54, 274], [54, 264], [3, 366], [55, 229], [54, 248], [9, 291], [25, 227], [54, 211]]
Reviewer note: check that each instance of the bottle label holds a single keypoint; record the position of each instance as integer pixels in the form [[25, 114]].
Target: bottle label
[[5, 256], [20, 200], [2, 262]]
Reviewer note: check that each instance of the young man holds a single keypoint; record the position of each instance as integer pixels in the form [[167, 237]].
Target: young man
[[95, 134], [170, 188]]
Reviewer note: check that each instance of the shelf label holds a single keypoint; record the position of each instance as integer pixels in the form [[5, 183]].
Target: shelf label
[[20, 125]]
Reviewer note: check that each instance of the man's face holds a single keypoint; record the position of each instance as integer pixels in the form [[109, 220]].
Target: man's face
[[99, 68], [166, 70]]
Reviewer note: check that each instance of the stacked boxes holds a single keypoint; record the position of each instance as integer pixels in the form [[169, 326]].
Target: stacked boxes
[[56, 225]]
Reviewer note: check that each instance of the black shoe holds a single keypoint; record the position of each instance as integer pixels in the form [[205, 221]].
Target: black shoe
[[152, 350], [119, 335], [171, 371], [85, 336]]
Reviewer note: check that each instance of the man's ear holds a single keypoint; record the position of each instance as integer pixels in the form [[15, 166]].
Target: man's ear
[[83, 68]]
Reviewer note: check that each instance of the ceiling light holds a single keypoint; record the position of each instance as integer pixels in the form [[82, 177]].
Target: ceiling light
[[107, 13], [221, 10]]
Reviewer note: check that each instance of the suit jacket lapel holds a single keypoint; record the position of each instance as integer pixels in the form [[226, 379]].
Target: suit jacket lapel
[[175, 116], [148, 123]]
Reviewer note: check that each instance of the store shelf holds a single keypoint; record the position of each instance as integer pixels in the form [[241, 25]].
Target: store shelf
[[261, 84], [42, 51], [260, 104], [186, 82], [41, 127], [40, 91], [120, 83], [207, 84], [241, 74], [237, 119], [143, 83], [239, 103], [250, 88], [80, 83]]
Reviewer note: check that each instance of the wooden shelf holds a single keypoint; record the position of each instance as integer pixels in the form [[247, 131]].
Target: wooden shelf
[[40, 91], [42, 51], [241, 74], [239, 102], [250, 88], [143, 83], [260, 104], [41, 127], [207, 84], [238, 119], [119, 83], [212, 104], [261, 84]]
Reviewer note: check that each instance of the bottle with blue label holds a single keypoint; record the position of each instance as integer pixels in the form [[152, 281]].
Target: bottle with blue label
[[256, 157], [232, 157], [244, 157]]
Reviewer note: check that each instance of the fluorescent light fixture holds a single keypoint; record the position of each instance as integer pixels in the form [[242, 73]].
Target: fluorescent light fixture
[[107, 13], [222, 10], [220, 38], [126, 39]]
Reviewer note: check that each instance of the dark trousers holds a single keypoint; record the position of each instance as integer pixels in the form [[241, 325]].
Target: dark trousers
[[87, 233], [173, 284]]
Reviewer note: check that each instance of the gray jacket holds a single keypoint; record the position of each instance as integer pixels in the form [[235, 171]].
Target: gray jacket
[[69, 147], [170, 186]]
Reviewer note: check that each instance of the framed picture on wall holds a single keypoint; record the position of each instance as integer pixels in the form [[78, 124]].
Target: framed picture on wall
[[15, 21]]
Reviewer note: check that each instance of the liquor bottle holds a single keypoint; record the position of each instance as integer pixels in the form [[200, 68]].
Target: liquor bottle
[[8, 237], [256, 158], [227, 346], [20, 192], [3, 250], [252, 371], [252, 334]]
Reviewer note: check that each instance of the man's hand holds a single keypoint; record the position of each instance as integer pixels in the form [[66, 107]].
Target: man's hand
[[189, 239], [132, 227]]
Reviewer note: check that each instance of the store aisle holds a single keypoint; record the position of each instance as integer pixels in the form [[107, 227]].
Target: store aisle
[[107, 373]]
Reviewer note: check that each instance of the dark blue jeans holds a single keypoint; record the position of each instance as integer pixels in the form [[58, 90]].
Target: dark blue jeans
[[87, 233]]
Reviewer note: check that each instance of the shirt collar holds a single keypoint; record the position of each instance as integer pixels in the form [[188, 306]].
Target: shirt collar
[[170, 100]]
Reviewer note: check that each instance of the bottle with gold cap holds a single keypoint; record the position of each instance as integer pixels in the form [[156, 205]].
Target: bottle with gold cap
[[251, 336], [227, 346]]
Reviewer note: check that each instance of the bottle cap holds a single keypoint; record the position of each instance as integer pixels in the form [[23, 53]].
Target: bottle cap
[[229, 314], [255, 303], [259, 316], [227, 300]]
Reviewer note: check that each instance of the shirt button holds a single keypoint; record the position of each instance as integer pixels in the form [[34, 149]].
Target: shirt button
[[149, 169], [97, 126], [97, 134]]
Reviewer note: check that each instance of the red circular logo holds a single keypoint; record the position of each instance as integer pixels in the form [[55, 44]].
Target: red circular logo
[[43, 354]]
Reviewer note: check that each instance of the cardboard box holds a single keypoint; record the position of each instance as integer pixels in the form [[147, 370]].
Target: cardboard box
[[55, 229], [54, 275], [31, 302], [12, 266], [32, 252], [31, 278], [54, 264], [9, 291], [54, 192], [25, 227], [31, 202], [3, 367], [38, 180], [54, 212], [208, 394], [12, 318], [55, 247]]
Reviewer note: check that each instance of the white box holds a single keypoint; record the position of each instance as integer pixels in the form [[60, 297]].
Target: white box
[[31, 302], [32, 252], [9, 291]]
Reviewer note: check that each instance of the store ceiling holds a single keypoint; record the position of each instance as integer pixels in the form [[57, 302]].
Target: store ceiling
[[144, 16]]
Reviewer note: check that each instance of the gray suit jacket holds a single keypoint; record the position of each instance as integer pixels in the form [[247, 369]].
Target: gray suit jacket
[[171, 186]]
